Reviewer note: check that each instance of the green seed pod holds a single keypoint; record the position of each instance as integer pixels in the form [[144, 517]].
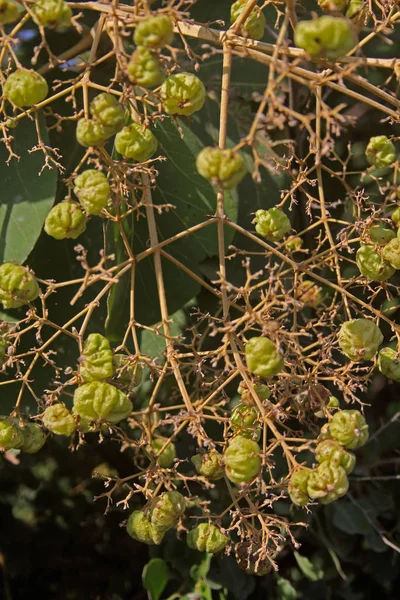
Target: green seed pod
[[96, 362], [165, 512], [182, 94], [223, 168], [272, 224], [93, 191], [144, 68], [349, 428], [371, 264], [327, 483], [309, 293], [297, 487], [154, 32], [333, 452], [262, 391], [139, 527], [58, 420], [380, 152], [8, 12], [52, 13], [381, 235], [396, 217], [357, 11], [167, 457], [17, 286], [127, 372], [325, 433], [209, 465], [100, 401], [207, 538], [91, 133], [25, 87], [34, 438], [106, 110], [333, 5], [11, 435], [359, 339], [391, 253], [326, 37], [389, 307], [263, 358], [389, 363], [245, 421], [136, 142], [104, 470], [254, 24], [242, 459], [293, 243], [65, 220], [333, 402]]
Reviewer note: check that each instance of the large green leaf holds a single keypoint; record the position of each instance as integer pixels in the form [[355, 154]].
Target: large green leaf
[[26, 194]]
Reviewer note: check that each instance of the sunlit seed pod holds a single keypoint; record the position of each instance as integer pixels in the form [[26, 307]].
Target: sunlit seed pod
[[182, 94], [100, 401], [91, 133], [327, 483], [272, 224], [9, 12], [381, 235], [17, 286], [391, 253], [136, 142], [165, 512], [25, 87], [262, 357], [372, 265], [167, 456], [245, 421], [144, 68], [154, 32], [332, 451], [58, 419], [262, 392], [34, 438], [308, 293], [55, 14], [349, 428], [139, 527], [106, 110], [242, 460], [297, 487], [389, 363], [333, 402], [209, 464], [92, 190], [65, 221], [207, 538], [380, 152], [396, 216], [96, 362], [11, 436], [359, 339], [254, 25], [223, 168], [357, 11], [293, 243], [326, 37]]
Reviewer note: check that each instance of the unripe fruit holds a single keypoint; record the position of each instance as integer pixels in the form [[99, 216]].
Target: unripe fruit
[[93, 191], [58, 420], [380, 152], [297, 487], [91, 133], [262, 391], [254, 24], [154, 32], [396, 216], [52, 13], [11, 435], [167, 457], [391, 253], [371, 265], [144, 68], [332, 451], [333, 402], [245, 421], [349, 428], [242, 460], [65, 221], [272, 224], [165, 513], [381, 235], [207, 538], [327, 483], [136, 142], [139, 527], [96, 362], [223, 168], [127, 372], [25, 87], [293, 243], [389, 363], [359, 339], [333, 5], [209, 465], [99, 401], [309, 293], [17, 286], [262, 357], [357, 11], [326, 37], [106, 110], [182, 94], [8, 12], [34, 438]]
